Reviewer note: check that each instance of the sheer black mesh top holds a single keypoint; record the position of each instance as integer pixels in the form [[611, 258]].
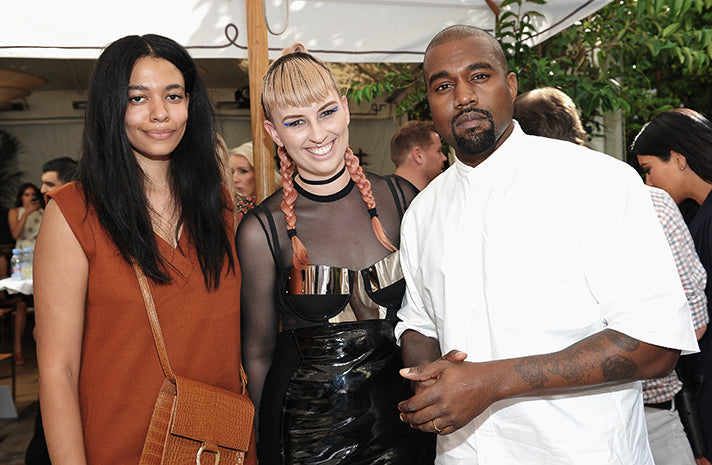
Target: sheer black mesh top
[[350, 276]]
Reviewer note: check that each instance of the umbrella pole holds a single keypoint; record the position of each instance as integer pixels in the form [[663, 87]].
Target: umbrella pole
[[258, 61]]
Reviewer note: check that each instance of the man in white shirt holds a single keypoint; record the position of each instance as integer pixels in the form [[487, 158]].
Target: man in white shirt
[[542, 274], [550, 112]]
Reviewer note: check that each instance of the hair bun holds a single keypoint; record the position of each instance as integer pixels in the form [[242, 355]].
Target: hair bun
[[296, 47]]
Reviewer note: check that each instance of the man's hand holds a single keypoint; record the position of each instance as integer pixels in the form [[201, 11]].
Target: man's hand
[[425, 376], [451, 392]]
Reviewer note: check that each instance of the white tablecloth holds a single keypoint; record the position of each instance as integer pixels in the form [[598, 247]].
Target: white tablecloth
[[13, 286]]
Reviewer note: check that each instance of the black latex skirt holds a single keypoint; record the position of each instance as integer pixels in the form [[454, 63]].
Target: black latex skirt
[[331, 398]]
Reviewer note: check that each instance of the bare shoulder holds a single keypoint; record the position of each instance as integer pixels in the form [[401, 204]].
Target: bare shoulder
[[57, 248]]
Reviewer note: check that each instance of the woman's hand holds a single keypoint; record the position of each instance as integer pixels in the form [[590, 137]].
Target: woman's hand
[[32, 207]]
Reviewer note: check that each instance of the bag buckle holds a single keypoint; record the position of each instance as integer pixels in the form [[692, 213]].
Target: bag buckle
[[202, 449]]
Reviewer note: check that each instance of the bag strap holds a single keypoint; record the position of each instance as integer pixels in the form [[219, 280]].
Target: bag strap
[[155, 326], [158, 334]]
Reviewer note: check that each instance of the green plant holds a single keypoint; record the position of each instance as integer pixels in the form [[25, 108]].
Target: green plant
[[403, 83], [638, 56]]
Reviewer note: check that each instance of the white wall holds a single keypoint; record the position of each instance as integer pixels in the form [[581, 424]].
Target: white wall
[[49, 128]]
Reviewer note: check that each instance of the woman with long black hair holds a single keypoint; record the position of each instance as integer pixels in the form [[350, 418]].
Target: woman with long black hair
[[674, 150], [149, 191]]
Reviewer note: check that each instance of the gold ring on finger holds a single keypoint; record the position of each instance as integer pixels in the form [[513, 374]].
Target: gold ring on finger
[[436, 426]]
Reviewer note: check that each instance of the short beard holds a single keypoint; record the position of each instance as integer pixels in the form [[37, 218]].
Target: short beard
[[473, 142]]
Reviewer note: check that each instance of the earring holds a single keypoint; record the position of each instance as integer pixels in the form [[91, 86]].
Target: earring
[[682, 168]]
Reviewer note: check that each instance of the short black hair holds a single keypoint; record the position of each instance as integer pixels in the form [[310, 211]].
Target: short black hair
[[465, 31], [64, 166]]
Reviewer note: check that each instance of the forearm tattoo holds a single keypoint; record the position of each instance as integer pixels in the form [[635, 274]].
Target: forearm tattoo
[[531, 370], [620, 367], [536, 370], [571, 365], [617, 368]]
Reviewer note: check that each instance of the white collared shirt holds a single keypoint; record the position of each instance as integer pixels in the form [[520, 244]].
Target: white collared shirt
[[541, 245]]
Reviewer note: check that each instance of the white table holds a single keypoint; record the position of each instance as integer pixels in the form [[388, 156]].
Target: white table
[[14, 286]]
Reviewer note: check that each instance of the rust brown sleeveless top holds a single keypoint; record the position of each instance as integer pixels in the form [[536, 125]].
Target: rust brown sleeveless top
[[120, 373]]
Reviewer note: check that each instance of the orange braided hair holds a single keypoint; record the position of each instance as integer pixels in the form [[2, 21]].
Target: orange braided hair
[[300, 256], [286, 169], [364, 186]]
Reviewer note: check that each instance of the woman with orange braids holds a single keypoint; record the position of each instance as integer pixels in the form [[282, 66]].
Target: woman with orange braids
[[321, 287]]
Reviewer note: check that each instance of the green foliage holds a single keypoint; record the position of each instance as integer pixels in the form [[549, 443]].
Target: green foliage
[[405, 83], [636, 56], [639, 56]]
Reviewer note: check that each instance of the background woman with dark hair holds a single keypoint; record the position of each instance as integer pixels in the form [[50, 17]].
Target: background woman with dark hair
[[149, 191], [26, 216], [674, 151], [24, 220]]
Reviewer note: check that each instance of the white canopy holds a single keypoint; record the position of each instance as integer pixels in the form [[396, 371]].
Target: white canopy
[[334, 30], [337, 31]]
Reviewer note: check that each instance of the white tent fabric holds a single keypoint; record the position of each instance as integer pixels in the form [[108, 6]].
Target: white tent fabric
[[334, 30]]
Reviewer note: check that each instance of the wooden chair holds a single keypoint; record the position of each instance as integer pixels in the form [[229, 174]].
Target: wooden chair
[[10, 357]]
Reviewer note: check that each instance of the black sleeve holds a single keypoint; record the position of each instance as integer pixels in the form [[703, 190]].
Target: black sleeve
[[405, 191], [258, 310]]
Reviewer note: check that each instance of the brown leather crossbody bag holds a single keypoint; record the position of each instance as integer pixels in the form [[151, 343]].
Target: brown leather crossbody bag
[[193, 422]]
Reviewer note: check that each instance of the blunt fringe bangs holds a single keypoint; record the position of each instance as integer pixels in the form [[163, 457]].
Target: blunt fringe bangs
[[297, 79]]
